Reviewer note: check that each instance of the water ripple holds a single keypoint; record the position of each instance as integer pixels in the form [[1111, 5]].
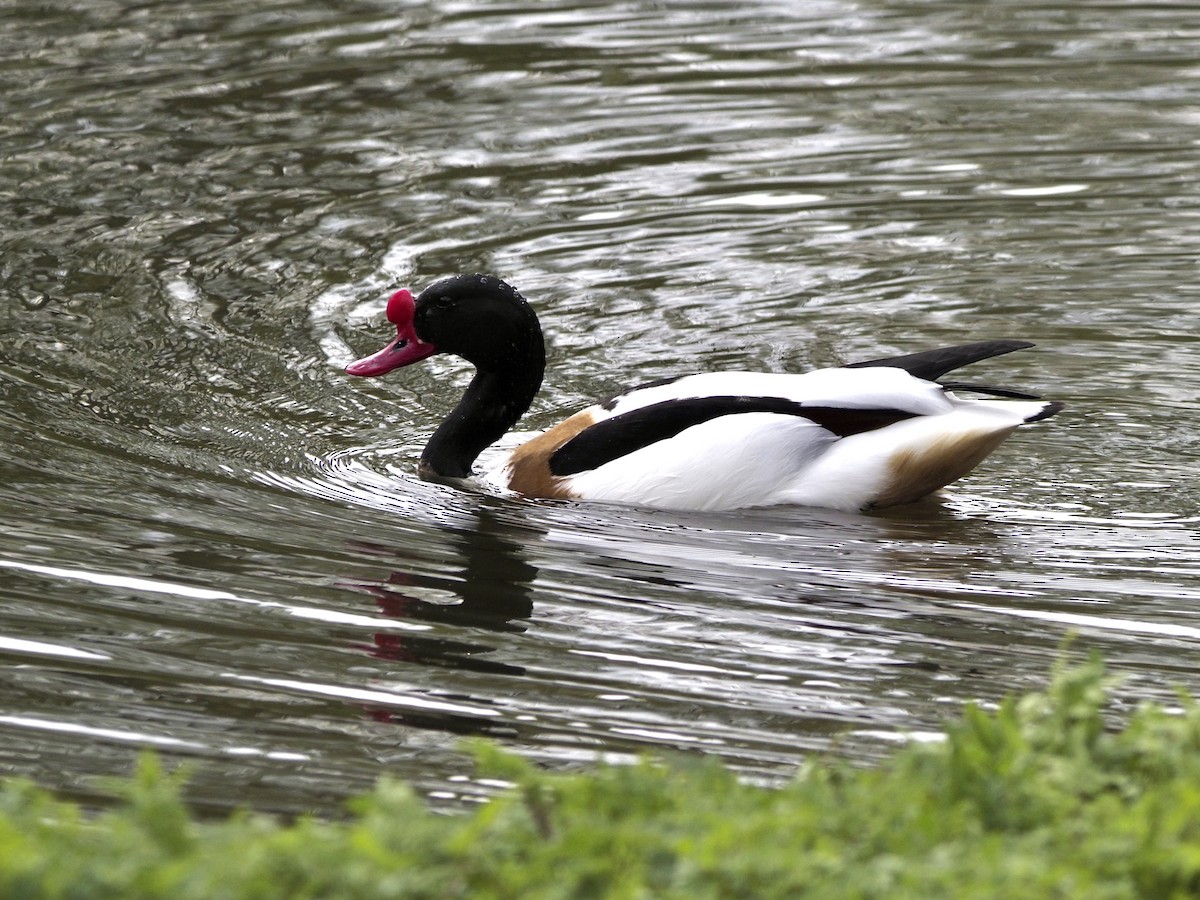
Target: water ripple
[[215, 543]]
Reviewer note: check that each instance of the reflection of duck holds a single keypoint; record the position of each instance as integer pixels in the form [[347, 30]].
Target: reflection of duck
[[870, 435], [493, 587]]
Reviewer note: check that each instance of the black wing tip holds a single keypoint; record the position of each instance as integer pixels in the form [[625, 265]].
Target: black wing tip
[[989, 389], [1011, 344], [998, 346], [933, 364]]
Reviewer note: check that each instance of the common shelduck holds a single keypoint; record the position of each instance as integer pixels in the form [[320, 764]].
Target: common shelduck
[[863, 436]]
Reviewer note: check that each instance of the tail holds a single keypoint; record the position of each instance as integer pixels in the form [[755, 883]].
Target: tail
[[1047, 410]]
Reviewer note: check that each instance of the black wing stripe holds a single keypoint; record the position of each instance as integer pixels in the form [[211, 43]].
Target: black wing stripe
[[625, 433], [611, 402]]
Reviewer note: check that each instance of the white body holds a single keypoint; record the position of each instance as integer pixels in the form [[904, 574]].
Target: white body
[[763, 459]]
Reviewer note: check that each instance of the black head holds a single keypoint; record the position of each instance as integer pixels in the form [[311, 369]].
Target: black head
[[487, 323], [480, 318]]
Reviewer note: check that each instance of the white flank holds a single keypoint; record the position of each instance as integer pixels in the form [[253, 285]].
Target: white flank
[[763, 459], [725, 463]]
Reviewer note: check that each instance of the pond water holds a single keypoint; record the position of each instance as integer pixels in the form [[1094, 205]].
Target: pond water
[[214, 542]]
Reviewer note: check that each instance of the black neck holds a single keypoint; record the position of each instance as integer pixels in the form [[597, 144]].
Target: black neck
[[492, 404]]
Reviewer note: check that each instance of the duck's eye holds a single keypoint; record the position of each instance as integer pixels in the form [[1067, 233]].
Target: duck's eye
[[443, 302]]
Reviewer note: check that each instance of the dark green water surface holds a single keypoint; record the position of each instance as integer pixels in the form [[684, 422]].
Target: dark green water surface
[[214, 543]]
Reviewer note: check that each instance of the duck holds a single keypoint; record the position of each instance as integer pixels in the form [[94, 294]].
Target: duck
[[859, 437]]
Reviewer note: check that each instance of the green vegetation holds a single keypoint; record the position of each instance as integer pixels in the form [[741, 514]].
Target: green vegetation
[[1037, 799]]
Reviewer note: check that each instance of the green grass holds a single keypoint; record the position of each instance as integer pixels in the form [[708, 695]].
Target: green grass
[[1037, 799]]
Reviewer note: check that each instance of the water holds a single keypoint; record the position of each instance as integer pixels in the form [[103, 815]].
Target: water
[[214, 542]]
